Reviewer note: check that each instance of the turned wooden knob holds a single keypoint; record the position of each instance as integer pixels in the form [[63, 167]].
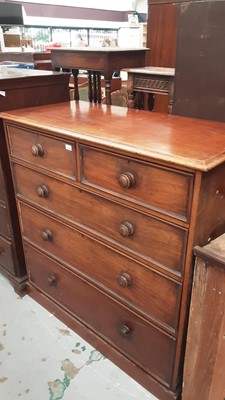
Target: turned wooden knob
[[126, 229], [126, 180], [52, 280], [47, 235], [42, 191], [125, 331], [37, 150], [124, 280]]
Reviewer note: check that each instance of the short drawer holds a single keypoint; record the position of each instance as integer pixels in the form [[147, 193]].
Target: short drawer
[[41, 150], [132, 335], [147, 237], [4, 222], [149, 292], [166, 190], [6, 256]]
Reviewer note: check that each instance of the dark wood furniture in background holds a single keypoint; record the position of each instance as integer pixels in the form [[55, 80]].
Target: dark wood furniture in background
[[28, 87], [18, 57], [42, 61], [189, 36], [162, 32], [20, 88], [205, 351], [150, 80], [97, 61], [163, 19], [111, 202], [200, 79]]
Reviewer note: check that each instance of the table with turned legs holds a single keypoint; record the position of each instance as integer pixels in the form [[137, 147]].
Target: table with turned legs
[[97, 61]]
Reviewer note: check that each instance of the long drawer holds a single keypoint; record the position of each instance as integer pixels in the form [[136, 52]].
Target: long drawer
[[150, 238], [164, 189], [141, 342], [6, 256], [4, 222], [149, 292], [48, 153]]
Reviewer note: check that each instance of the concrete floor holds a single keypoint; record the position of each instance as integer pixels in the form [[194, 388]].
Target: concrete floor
[[41, 359]]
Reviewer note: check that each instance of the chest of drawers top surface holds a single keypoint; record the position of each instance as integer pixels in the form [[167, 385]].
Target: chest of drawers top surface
[[190, 143]]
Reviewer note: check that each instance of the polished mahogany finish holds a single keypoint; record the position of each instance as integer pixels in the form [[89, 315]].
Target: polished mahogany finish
[[128, 192], [39, 150], [130, 233], [97, 61], [21, 88], [110, 318]]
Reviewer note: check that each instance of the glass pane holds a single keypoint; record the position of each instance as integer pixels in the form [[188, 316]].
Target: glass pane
[[61, 37], [79, 37], [39, 36], [99, 38]]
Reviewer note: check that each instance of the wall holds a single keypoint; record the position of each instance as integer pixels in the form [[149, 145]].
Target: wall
[[116, 5], [105, 14]]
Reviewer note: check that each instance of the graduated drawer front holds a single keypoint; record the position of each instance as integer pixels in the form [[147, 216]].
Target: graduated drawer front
[[51, 154], [150, 238], [6, 258], [4, 222], [141, 342], [152, 294], [163, 189]]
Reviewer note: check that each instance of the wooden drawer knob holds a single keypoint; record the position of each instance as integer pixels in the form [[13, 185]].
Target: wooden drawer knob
[[125, 331], [42, 191], [52, 280], [47, 235], [37, 150], [126, 180], [124, 280], [126, 229]]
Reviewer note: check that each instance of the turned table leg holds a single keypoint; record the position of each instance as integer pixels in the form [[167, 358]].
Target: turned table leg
[[99, 94], [75, 78], [130, 91], [90, 91], [170, 94], [108, 89]]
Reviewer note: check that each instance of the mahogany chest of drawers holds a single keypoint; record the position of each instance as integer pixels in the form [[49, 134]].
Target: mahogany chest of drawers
[[111, 202], [20, 88]]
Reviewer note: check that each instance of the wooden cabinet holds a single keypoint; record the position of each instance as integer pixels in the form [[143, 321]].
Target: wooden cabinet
[[12, 261], [205, 350], [111, 202], [162, 30], [188, 36], [21, 88], [199, 84], [163, 18]]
